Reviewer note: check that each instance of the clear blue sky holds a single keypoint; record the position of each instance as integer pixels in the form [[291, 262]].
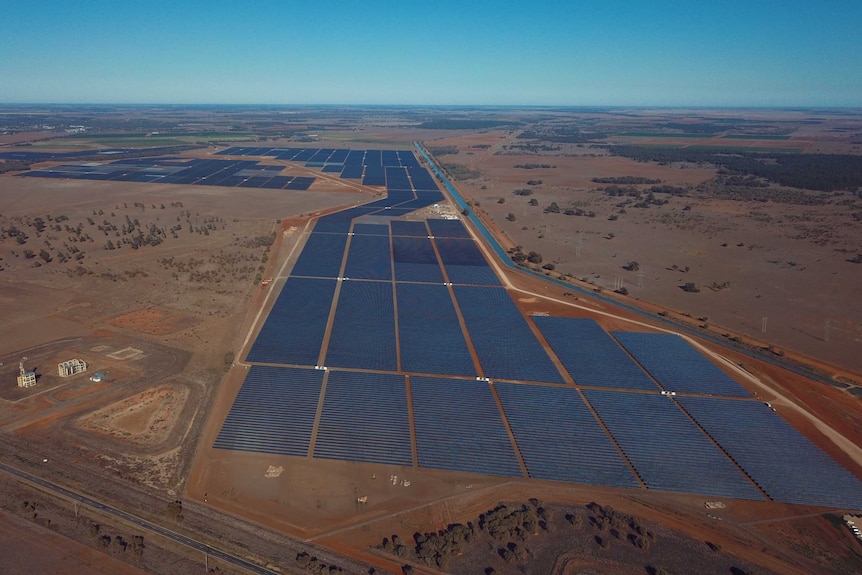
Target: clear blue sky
[[576, 52]]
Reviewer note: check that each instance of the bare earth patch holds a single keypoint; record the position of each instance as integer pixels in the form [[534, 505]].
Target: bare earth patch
[[153, 321], [146, 418]]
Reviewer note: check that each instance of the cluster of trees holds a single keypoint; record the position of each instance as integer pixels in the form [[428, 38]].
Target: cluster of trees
[[462, 172], [533, 166], [13, 166], [523, 192], [443, 150], [118, 545], [617, 526], [625, 180], [534, 148], [312, 564], [465, 124], [520, 258], [553, 208], [820, 172], [741, 188], [562, 135]]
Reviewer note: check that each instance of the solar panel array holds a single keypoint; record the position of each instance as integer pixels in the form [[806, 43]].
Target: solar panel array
[[364, 418], [273, 412], [506, 346], [429, 332], [560, 439], [676, 365], [415, 260], [464, 262], [373, 167], [321, 256], [590, 355], [197, 172], [369, 258], [785, 463], [457, 423], [294, 329], [666, 448], [459, 427], [363, 333]]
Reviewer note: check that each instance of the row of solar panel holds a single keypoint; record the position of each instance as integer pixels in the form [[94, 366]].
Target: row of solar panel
[[107, 152], [322, 156], [228, 173], [459, 427]]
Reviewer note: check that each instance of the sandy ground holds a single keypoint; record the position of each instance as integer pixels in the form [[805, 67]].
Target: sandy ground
[[26, 547]]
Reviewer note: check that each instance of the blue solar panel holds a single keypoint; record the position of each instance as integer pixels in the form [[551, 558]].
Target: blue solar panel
[[667, 450], [363, 334], [371, 229], [390, 158], [448, 229], [407, 158], [559, 438], [274, 412], [459, 427], [428, 330], [406, 228], [421, 179], [459, 252], [294, 329], [503, 340], [415, 260], [678, 366], [590, 355], [355, 157], [464, 262], [785, 463], [369, 258], [373, 158], [299, 183], [374, 176], [365, 419], [352, 171], [338, 156], [396, 179], [321, 256]]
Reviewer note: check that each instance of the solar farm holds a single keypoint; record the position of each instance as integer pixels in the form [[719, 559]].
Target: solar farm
[[394, 342]]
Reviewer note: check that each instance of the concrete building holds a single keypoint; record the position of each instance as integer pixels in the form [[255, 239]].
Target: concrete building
[[26, 378], [71, 367]]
